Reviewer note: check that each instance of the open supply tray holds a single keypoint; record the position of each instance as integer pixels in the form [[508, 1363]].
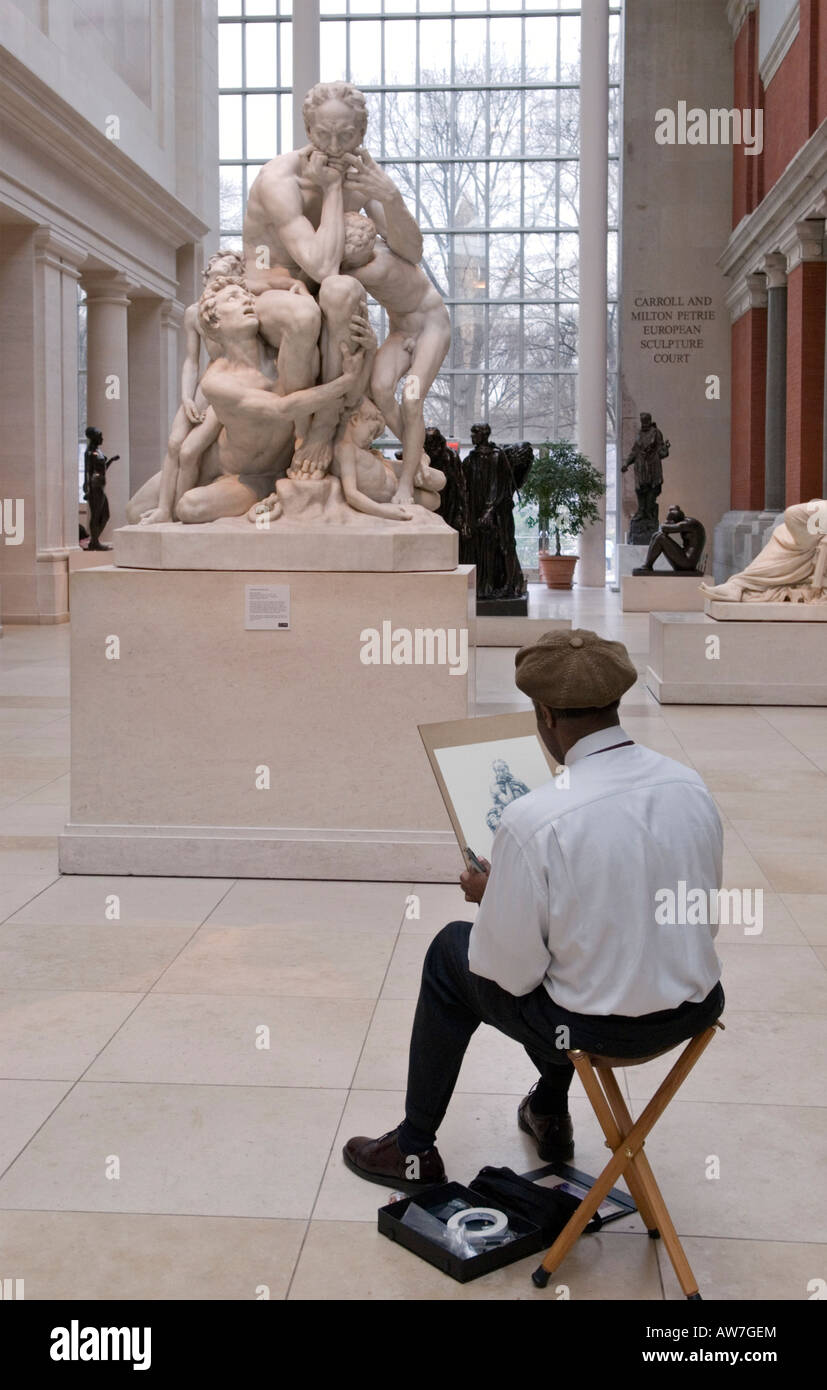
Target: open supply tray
[[451, 1195], [442, 1200]]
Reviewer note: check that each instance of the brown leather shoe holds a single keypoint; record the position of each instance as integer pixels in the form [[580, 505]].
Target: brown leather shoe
[[381, 1160], [553, 1134]]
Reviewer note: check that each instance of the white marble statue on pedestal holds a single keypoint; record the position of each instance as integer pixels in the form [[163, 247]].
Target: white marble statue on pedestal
[[296, 390], [792, 567]]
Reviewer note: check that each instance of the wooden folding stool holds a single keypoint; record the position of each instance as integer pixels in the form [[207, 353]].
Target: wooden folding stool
[[625, 1138]]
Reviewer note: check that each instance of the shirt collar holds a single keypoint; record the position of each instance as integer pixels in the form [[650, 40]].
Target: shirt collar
[[595, 743]]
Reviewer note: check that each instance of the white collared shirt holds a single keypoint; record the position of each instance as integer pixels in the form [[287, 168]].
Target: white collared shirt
[[571, 898]]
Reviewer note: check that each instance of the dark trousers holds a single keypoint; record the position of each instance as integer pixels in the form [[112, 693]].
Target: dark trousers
[[453, 1003]]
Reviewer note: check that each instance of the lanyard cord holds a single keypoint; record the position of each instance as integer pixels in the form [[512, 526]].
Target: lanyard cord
[[627, 743]]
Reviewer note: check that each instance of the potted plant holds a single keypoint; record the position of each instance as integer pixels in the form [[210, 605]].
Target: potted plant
[[562, 489]]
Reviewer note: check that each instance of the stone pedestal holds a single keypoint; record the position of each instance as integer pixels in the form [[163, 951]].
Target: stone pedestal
[[516, 632], [738, 538], [88, 559], [234, 543], [765, 612], [630, 557], [200, 747], [664, 593], [503, 607], [696, 660]]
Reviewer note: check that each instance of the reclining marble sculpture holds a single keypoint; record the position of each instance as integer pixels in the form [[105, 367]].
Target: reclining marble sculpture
[[280, 425], [792, 567]]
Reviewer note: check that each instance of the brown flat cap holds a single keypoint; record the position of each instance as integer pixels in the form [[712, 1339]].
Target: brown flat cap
[[574, 670]]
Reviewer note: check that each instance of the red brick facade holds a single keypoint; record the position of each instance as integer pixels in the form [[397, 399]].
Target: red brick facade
[[794, 105], [749, 370], [806, 301], [748, 93], [786, 113]]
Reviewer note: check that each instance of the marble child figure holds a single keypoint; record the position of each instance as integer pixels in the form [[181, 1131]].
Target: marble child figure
[[195, 426], [369, 481], [418, 339]]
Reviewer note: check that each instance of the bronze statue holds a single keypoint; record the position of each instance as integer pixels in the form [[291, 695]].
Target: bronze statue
[[492, 476], [646, 456], [453, 502], [95, 465], [521, 458], [684, 553]]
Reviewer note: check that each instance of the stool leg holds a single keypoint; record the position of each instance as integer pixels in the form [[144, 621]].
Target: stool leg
[[614, 1127], [580, 1218], [630, 1153], [645, 1177]]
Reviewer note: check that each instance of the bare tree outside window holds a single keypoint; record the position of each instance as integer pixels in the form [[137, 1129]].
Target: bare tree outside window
[[475, 115]]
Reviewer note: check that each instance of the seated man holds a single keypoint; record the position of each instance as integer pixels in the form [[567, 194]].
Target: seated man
[[368, 479], [566, 951]]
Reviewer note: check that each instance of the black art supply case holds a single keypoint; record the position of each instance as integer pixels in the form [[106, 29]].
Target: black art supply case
[[529, 1238]]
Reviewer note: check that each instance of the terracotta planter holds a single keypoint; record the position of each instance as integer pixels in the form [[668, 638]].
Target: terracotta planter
[[557, 571]]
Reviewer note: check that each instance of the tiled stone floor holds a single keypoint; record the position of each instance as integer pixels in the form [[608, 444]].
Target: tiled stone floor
[[136, 1039]]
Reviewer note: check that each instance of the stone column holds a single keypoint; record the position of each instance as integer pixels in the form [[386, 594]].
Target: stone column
[[154, 387], [775, 443], [107, 381], [806, 306], [305, 62], [57, 271], [54, 443], [591, 348], [172, 321], [747, 302], [39, 270]]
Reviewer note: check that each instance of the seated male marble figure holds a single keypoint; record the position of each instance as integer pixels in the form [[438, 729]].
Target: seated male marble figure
[[684, 553], [293, 227], [255, 444], [418, 338], [369, 481]]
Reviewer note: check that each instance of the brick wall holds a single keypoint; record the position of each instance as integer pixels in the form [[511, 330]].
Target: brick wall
[[806, 301], [748, 93]]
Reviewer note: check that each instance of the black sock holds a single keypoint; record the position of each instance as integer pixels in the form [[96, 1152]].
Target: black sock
[[412, 1140], [551, 1096]]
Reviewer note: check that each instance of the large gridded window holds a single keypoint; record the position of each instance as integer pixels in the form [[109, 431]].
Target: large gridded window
[[474, 112], [255, 80]]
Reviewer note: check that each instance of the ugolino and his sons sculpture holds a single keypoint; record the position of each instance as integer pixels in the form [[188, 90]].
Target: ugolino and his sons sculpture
[[281, 422]]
